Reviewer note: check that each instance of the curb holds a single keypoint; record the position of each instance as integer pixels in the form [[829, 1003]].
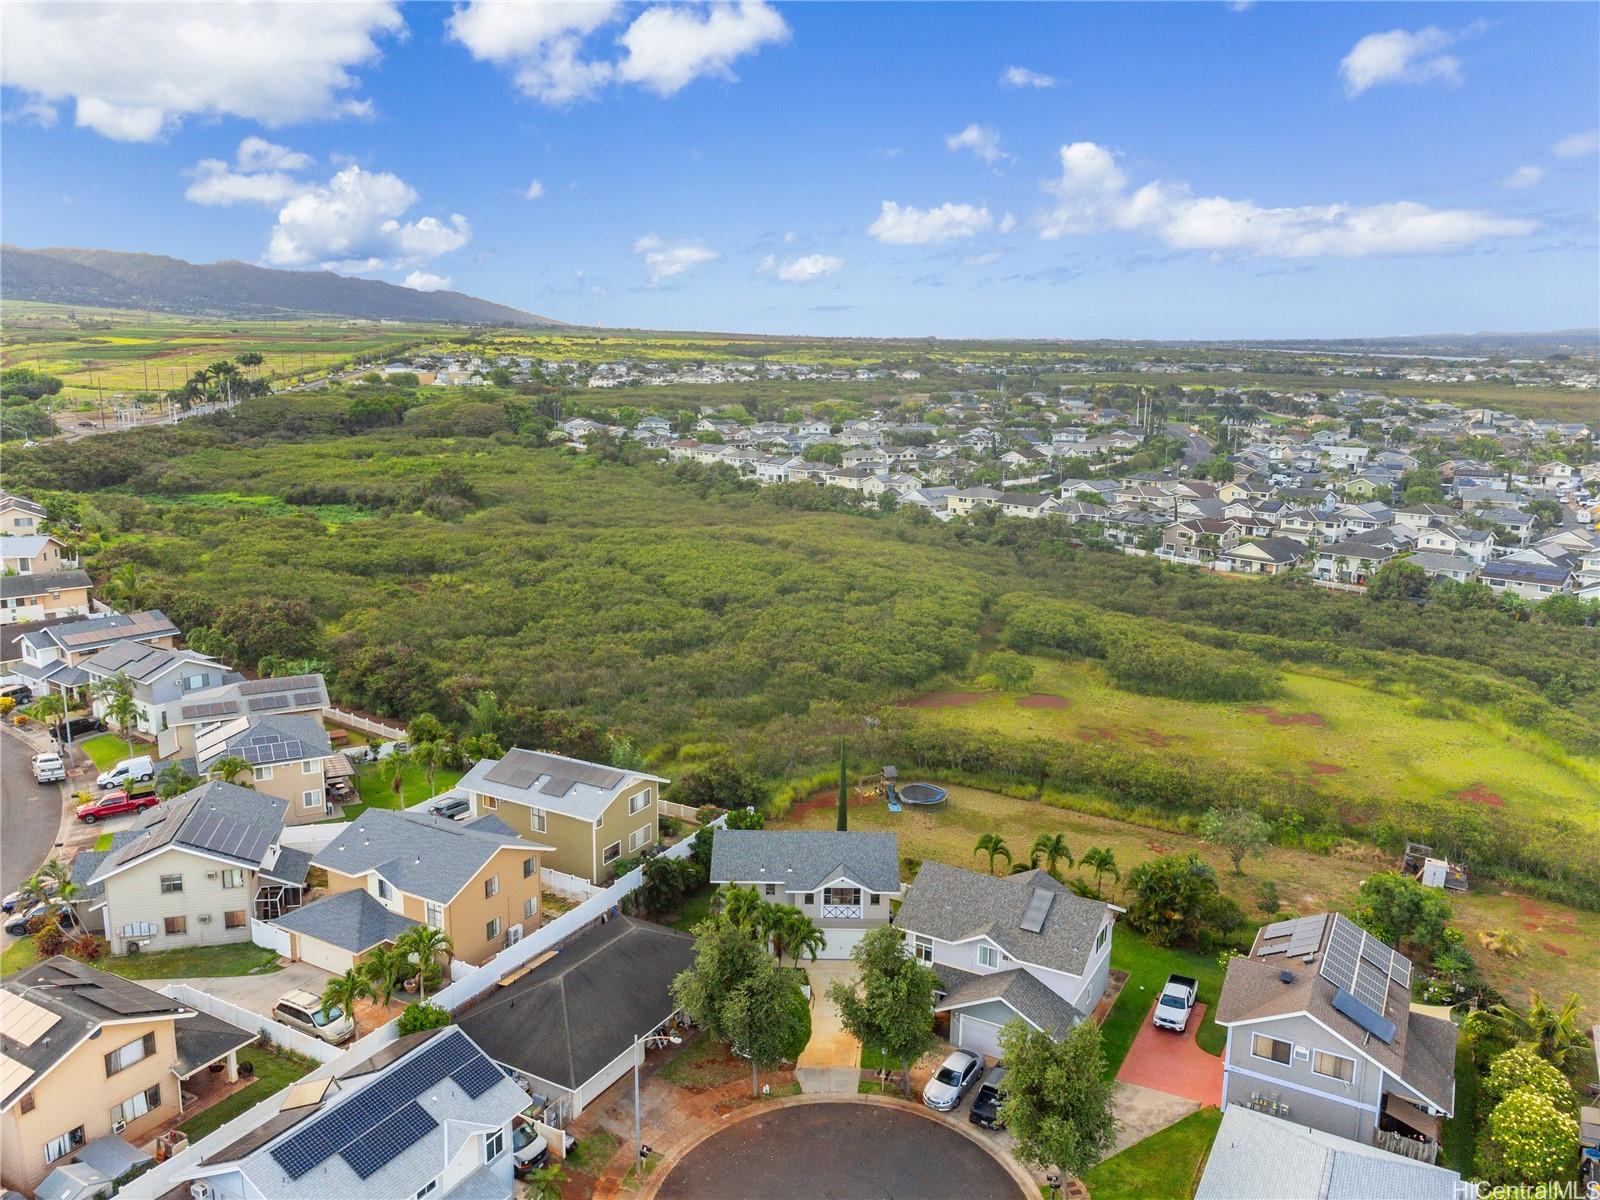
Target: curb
[[668, 1161]]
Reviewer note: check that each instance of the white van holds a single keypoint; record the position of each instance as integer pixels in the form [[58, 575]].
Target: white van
[[139, 769]]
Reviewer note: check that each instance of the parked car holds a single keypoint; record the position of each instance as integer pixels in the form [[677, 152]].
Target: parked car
[[388, 748], [1176, 1003], [78, 727], [951, 1081], [18, 923], [453, 809], [114, 804], [13, 899], [137, 769], [303, 1011], [985, 1109], [529, 1150], [21, 693], [48, 768]]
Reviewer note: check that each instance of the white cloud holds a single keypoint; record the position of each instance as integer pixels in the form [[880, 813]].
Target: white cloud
[[353, 221], [1092, 196], [987, 258], [134, 72], [1400, 56], [262, 176], [258, 154], [908, 226], [1240, 6], [666, 46], [664, 260], [426, 281], [808, 267], [533, 191], [1577, 145], [1523, 177], [982, 140], [1007, 223], [1021, 77]]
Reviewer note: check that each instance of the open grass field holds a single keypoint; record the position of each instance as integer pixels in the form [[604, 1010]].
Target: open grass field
[[1346, 739], [1559, 952], [1167, 1164]]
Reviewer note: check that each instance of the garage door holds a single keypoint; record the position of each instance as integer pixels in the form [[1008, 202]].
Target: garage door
[[841, 942], [980, 1037], [323, 954]]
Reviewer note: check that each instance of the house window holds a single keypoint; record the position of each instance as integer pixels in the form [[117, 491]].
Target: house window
[[177, 926], [233, 878], [989, 957], [262, 774], [811, 897], [1334, 1066], [638, 837], [427, 1189], [26, 1103], [491, 929], [922, 948], [493, 1145], [530, 867], [772, 889], [64, 1145], [1273, 1049], [234, 920], [311, 766], [124, 1057], [841, 895], [433, 915], [530, 908], [312, 799], [600, 820], [536, 820], [171, 884], [489, 803], [385, 892], [1100, 938], [611, 853], [639, 802], [137, 1105], [491, 887], [874, 899]]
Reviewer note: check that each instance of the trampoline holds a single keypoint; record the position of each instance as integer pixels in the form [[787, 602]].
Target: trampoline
[[923, 795]]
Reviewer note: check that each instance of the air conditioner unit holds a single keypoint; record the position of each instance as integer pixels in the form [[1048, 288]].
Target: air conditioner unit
[[211, 874], [201, 1189], [118, 1126], [205, 918]]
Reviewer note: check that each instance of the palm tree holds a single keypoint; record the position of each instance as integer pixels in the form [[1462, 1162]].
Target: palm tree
[[343, 991], [125, 589], [173, 780], [995, 847], [384, 967], [1052, 847], [423, 945], [544, 1183], [803, 937], [1101, 862], [48, 708], [117, 693], [393, 772], [1553, 1033], [743, 906], [431, 756], [230, 767]]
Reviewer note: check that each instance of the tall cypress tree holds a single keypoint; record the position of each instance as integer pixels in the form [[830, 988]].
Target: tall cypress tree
[[844, 792]]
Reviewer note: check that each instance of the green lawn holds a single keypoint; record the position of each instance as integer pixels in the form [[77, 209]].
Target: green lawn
[[1459, 1138], [704, 1063], [239, 958], [375, 793], [18, 956], [105, 749], [1166, 1164], [1148, 967], [693, 910], [275, 1070], [592, 1153]]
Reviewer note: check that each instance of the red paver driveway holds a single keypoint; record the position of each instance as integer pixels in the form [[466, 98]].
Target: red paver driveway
[[1172, 1063]]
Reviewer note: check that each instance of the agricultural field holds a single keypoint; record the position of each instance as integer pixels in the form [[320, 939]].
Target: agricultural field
[[1340, 736], [1557, 941]]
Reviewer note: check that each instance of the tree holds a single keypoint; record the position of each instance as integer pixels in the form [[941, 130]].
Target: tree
[[995, 847], [766, 1018], [484, 715], [1528, 1140], [722, 782], [1401, 911], [888, 1006], [125, 588], [743, 907], [1239, 831], [842, 819], [418, 1017], [1058, 1096], [724, 956], [431, 756], [544, 1183], [1521, 1068], [231, 767], [117, 694], [1009, 669], [173, 780], [342, 992], [1101, 862], [393, 772], [793, 933], [1556, 1034], [1398, 580], [1052, 848], [1171, 897], [384, 967], [425, 946]]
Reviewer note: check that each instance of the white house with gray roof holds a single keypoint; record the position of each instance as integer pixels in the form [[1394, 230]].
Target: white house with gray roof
[[1008, 946], [845, 881], [194, 713], [156, 677]]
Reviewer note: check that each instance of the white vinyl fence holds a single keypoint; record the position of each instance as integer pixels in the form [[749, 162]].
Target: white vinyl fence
[[274, 1032], [572, 887], [684, 812], [367, 725], [312, 838], [269, 937]]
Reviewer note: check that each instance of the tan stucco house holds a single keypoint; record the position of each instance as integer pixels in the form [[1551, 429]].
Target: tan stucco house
[[287, 756], [588, 813], [28, 598]]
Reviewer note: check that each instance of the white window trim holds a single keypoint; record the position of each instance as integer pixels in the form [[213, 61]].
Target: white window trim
[[1337, 1058], [433, 914], [922, 947], [530, 908], [611, 853], [492, 928], [310, 766], [312, 799], [639, 837], [494, 1145], [989, 952], [491, 887], [1268, 1057], [638, 802], [261, 774]]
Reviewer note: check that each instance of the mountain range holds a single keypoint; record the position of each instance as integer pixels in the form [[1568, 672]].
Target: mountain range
[[154, 282]]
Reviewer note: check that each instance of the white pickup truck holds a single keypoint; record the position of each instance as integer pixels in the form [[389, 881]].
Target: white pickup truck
[[48, 768], [1176, 1003]]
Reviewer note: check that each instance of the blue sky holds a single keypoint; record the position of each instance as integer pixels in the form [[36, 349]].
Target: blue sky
[[1163, 171]]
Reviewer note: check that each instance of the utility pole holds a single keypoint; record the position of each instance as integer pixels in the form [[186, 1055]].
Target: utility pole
[[638, 1136]]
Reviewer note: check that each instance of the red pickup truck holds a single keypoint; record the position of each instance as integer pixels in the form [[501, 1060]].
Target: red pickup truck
[[113, 804]]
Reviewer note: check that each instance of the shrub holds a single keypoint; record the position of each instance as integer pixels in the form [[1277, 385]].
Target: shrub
[[1521, 1069], [418, 1017], [1528, 1140]]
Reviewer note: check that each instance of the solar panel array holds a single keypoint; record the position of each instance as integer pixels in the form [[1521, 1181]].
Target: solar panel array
[[138, 625], [226, 835], [286, 683], [267, 703], [1294, 939], [384, 1118], [215, 708], [1375, 1023], [519, 769], [1358, 963], [1038, 909], [268, 747]]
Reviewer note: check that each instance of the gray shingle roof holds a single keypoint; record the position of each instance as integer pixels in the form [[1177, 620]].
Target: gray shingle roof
[[16, 587], [263, 741], [417, 852], [1041, 1007], [203, 1039], [215, 818], [801, 860], [86, 862], [291, 865], [955, 906], [351, 920], [552, 782]]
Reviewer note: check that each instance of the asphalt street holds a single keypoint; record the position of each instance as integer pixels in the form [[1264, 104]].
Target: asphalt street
[[30, 813]]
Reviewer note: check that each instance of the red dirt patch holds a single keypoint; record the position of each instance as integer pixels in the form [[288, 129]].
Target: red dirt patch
[[1531, 910], [1040, 700], [1154, 737], [1532, 926], [1551, 948], [1320, 768], [1283, 718], [1479, 795], [1091, 733], [830, 802], [943, 700], [1157, 848]]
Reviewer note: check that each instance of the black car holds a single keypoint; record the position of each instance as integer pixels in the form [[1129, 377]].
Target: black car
[[453, 809], [78, 727], [985, 1109]]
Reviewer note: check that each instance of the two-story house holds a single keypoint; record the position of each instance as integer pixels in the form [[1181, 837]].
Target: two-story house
[[287, 757], [33, 554], [20, 516], [156, 677], [588, 814], [1321, 1033], [28, 598], [1004, 947], [197, 712], [193, 871], [476, 881], [86, 1056], [845, 881]]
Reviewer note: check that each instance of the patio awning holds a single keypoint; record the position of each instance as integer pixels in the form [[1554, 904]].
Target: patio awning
[[338, 766], [1411, 1116], [204, 1039]]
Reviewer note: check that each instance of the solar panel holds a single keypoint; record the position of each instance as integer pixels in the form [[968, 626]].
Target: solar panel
[[477, 1076], [267, 703], [515, 770], [388, 1139], [1038, 909], [1360, 964], [303, 698], [555, 786], [1363, 1015]]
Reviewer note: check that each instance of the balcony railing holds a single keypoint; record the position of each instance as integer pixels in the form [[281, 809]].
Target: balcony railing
[[841, 912]]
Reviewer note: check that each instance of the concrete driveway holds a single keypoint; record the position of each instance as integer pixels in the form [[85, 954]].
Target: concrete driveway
[[831, 1061], [258, 993]]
